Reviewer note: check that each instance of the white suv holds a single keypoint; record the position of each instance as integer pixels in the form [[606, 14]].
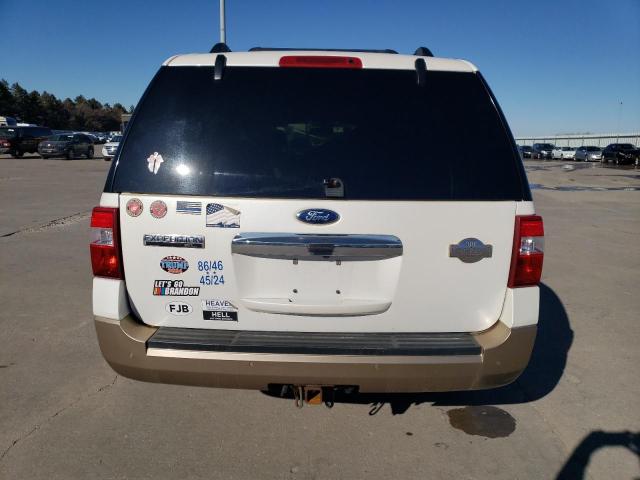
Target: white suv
[[297, 219]]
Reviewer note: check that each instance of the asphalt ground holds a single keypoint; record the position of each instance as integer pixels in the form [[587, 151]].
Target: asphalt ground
[[65, 414]]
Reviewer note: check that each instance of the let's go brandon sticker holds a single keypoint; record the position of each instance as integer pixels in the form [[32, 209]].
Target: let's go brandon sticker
[[174, 288]]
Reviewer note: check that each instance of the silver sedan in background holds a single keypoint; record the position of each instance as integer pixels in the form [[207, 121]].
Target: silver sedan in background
[[588, 154]]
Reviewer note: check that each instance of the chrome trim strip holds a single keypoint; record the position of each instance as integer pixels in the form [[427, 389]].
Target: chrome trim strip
[[327, 247], [302, 358]]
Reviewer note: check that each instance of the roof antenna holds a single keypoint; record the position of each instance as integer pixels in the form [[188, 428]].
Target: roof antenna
[[221, 46], [223, 33]]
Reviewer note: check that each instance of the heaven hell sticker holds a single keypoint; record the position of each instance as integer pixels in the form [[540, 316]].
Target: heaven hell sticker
[[174, 288], [221, 310], [222, 217]]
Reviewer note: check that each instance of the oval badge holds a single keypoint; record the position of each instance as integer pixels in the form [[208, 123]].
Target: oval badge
[[178, 308], [174, 264], [317, 216]]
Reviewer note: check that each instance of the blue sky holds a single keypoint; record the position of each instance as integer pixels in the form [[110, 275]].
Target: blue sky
[[555, 66]]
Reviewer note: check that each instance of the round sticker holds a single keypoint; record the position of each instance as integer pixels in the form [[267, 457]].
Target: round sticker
[[158, 209], [174, 264], [134, 207]]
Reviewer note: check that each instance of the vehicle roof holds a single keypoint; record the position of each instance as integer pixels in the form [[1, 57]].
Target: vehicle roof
[[369, 60]]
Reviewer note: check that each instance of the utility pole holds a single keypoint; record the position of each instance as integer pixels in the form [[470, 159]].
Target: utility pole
[[223, 33]]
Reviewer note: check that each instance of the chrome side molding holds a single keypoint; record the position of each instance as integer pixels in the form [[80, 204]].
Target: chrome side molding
[[323, 247]]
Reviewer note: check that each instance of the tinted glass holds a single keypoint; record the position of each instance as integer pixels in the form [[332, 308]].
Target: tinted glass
[[276, 132], [8, 133], [593, 149], [61, 138]]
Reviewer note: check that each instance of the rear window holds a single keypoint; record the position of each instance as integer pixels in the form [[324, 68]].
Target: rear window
[[8, 133], [61, 138], [280, 133]]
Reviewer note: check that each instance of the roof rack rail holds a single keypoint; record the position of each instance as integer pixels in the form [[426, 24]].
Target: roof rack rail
[[220, 48], [267, 49], [423, 52]]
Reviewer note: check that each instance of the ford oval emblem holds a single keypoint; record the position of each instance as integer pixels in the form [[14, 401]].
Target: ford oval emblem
[[318, 216]]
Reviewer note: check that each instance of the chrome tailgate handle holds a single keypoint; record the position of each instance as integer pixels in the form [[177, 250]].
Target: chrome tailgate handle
[[327, 247]]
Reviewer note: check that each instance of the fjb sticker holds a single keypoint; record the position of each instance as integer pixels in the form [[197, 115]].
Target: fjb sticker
[[217, 309], [174, 264], [154, 161], [222, 217], [174, 288], [158, 209], [134, 207], [178, 308]]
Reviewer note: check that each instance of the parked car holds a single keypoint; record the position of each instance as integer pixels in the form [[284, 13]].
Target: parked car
[[621, 153], [17, 140], [542, 150], [566, 153], [111, 147], [92, 137], [525, 151], [68, 145], [282, 249], [588, 154], [110, 135]]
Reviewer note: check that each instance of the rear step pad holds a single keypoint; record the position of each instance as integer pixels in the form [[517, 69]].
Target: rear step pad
[[413, 344]]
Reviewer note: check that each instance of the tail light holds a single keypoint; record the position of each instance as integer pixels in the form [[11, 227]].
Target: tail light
[[528, 251], [106, 259], [320, 61]]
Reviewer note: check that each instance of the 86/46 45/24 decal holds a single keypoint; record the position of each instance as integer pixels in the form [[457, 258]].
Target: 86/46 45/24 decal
[[212, 272]]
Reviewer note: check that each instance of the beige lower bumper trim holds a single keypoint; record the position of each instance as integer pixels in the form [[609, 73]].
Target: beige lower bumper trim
[[505, 354]]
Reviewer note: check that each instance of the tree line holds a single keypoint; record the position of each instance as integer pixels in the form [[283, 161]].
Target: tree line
[[45, 109]]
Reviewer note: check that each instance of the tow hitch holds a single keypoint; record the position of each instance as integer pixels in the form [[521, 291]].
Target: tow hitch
[[311, 394]]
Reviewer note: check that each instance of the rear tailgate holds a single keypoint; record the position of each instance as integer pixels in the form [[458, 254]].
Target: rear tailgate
[[423, 289]]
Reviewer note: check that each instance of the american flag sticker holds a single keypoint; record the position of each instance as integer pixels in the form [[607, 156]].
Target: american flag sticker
[[222, 217], [189, 208]]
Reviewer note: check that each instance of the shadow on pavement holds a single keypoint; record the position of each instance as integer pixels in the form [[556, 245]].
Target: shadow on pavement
[[576, 466], [541, 376]]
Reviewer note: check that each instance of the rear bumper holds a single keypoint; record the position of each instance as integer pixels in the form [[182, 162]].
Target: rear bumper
[[504, 354]]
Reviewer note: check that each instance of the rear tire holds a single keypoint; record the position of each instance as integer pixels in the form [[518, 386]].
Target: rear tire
[[70, 155], [17, 154], [90, 153], [44, 156]]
